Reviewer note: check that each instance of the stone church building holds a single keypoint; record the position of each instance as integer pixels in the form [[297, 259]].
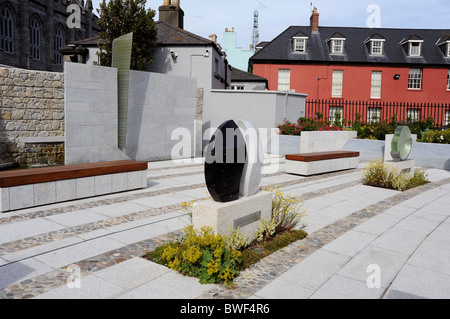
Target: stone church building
[[32, 31]]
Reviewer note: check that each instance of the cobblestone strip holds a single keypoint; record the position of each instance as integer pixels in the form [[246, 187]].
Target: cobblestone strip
[[42, 239], [248, 282], [265, 271], [44, 283], [121, 199], [57, 278]]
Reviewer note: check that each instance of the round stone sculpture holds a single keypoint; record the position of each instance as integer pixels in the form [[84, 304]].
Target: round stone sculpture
[[224, 162], [401, 143], [251, 175]]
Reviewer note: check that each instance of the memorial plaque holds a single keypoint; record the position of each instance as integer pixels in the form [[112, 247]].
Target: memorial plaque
[[224, 162]]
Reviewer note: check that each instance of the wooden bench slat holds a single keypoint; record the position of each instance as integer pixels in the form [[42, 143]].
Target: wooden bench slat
[[57, 173], [321, 156]]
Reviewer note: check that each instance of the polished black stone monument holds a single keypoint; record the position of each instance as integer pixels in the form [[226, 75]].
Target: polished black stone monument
[[224, 162]]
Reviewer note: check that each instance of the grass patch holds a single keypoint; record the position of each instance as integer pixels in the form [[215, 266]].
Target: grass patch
[[259, 250]]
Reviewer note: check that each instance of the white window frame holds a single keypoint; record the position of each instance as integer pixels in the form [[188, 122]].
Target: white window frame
[[377, 50], [374, 111], [337, 83], [448, 80], [299, 44], [415, 78], [414, 114], [337, 45], [7, 27], [448, 49], [375, 88], [284, 80], [333, 110], [447, 118], [418, 44], [238, 87]]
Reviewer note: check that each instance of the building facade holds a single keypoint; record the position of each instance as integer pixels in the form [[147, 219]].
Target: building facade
[[32, 31], [358, 64], [237, 56]]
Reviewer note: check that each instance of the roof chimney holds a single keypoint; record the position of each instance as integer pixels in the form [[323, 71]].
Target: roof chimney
[[171, 13], [213, 37], [315, 21]]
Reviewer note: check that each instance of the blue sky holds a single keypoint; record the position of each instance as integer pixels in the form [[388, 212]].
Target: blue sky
[[205, 17]]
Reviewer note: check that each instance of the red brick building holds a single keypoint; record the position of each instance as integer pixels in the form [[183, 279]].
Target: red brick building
[[377, 66]]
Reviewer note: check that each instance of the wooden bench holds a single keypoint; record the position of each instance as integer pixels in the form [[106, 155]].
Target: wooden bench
[[321, 162], [41, 186]]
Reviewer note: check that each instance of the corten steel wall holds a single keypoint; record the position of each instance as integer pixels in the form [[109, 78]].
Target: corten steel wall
[[316, 81]]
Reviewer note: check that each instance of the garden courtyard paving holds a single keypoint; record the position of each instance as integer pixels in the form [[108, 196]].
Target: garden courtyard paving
[[363, 242]]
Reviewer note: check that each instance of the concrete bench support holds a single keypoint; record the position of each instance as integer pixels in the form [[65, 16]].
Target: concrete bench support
[[41, 186], [321, 162]]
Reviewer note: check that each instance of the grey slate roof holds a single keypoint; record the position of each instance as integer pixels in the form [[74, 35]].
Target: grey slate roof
[[170, 35], [242, 76], [356, 47]]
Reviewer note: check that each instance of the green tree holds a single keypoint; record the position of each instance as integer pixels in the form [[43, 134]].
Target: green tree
[[119, 17]]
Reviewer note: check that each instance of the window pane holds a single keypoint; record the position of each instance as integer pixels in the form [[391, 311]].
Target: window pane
[[35, 39], [337, 46], [377, 48], [415, 79], [413, 114], [58, 42], [414, 49], [334, 110], [448, 80], [374, 114], [299, 45], [6, 31], [338, 76], [284, 80], [375, 92]]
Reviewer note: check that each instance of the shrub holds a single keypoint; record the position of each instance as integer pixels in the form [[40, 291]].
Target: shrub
[[311, 123], [202, 254], [379, 174], [436, 136], [287, 212]]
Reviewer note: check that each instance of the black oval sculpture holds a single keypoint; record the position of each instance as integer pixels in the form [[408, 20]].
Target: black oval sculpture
[[224, 162]]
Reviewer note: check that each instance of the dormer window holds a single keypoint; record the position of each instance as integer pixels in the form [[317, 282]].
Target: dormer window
[[337, 46], [444, 45], [375, 44], [376, 47], [299, 45], [299, 42], [413, 45], [415, 48], [337, 43]]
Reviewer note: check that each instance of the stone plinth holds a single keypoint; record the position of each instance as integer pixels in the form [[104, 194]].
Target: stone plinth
[[407, 166], [244, 213]]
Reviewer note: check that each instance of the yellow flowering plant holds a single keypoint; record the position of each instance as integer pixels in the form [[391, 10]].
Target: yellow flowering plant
[[202, 254]]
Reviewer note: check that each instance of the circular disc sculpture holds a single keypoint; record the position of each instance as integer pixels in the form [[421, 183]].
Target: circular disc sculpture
[[224, 162], [233, 161], [401, 143]]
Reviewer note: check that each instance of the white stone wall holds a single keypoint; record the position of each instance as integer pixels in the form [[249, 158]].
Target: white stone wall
[[158, 104]]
